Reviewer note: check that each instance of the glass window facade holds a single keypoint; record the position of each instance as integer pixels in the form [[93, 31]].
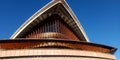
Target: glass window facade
[[53, 27]]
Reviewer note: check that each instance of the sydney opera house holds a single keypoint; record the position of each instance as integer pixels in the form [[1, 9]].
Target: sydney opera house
[[53, 33]]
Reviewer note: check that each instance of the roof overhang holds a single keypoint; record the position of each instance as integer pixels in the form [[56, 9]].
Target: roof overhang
[[14, 44]]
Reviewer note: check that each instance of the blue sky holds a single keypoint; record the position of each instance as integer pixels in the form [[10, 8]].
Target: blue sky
[[99, 18]]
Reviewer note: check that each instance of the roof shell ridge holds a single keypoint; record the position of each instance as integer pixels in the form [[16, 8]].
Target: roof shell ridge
[[74, 18]]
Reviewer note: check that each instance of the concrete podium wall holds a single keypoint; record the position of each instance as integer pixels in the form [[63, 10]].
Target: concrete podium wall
[[53, 54]]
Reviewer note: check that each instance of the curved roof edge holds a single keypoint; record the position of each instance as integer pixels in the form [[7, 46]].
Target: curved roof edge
[[80, 45], [45, 8]]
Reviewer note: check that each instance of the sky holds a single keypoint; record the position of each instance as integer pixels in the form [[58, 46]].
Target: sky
[[99, 18]]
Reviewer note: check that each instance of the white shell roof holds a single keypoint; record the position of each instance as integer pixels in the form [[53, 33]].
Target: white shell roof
[[72, 19]]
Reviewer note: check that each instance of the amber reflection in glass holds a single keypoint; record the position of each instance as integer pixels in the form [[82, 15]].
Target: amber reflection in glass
[[52, 27]]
